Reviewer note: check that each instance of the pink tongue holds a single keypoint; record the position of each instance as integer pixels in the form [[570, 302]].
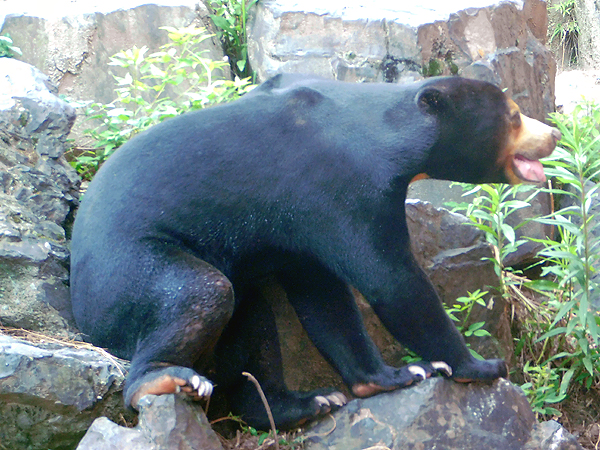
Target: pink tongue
[[529, 170]]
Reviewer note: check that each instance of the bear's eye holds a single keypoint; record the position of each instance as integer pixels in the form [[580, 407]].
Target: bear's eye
[[515, 119]]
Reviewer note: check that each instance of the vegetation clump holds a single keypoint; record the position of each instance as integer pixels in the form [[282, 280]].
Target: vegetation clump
[[154, 87], [555, 315]]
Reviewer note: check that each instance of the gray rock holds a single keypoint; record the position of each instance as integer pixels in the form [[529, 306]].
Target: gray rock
[[373, 41], [73, 44], [439, 413], [165, 422], [51, 393], [451, 251], [38, 195]]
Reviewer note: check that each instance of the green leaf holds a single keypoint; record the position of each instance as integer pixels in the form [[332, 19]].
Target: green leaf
[[508, 231]]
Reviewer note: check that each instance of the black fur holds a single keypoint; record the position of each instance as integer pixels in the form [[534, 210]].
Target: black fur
[[303, 180]]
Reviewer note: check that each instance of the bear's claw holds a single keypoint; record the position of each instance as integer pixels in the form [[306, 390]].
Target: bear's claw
[[442, 367], [418, 371], [325, 403]]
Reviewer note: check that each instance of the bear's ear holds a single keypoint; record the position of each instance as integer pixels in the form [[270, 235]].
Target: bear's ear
[[432, 100]]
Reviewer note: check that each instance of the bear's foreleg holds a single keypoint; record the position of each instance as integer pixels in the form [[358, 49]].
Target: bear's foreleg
[[413, 313]]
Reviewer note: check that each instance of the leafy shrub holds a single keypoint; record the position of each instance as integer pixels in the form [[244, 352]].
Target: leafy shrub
[[145, 94], [566, 31], [559, 340], [572, 263], [230, 19], [7, 49]]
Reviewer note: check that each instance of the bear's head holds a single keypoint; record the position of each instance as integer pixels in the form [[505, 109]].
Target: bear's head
[[482, 135]]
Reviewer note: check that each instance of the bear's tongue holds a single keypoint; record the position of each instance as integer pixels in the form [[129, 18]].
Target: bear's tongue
[[529, 170]]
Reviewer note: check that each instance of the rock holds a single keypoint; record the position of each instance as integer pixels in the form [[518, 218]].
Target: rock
[[50, 393], [550, 435], [575, 86], [441, 193], [369, 42], [73, 44], [451, 251], [439, 413], [165, 422], [38, 195]]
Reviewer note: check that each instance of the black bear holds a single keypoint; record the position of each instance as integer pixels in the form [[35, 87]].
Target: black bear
[[303, 180]]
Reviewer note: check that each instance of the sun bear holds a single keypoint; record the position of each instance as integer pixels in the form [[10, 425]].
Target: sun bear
[[302, 180]]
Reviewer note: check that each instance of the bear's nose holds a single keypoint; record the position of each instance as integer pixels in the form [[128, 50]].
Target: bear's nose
[[557, 135]]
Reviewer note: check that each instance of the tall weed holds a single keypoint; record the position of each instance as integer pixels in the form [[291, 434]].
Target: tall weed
[[572, 263], [560, 340]]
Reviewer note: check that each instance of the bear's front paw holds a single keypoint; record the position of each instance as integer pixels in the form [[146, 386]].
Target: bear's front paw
[[391, 378], [475, 370]]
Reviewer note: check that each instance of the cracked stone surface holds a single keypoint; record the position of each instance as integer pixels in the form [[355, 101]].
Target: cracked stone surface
[[439, 413], [500, 42], [50, 393], [38, 193]]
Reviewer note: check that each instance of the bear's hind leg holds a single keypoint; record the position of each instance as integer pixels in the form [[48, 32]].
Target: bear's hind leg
[[187, 304], [250, 344]]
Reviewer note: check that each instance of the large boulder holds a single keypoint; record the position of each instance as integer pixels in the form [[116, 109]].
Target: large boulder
[[73, 43], [439, 413], [51, 392], [38, 195], [501, 42]]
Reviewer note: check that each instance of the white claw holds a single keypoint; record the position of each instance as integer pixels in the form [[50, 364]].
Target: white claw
[[417, 370], [208, 390], [195, 382], [441, 366], [322, 401], [338, 399], [205, 389]]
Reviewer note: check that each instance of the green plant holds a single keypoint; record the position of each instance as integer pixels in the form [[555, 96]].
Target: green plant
[[460, 312], [7, 49], [230, 18], [566, 31], [156, 87], [572, 263], [543, 388], [488, 212]]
